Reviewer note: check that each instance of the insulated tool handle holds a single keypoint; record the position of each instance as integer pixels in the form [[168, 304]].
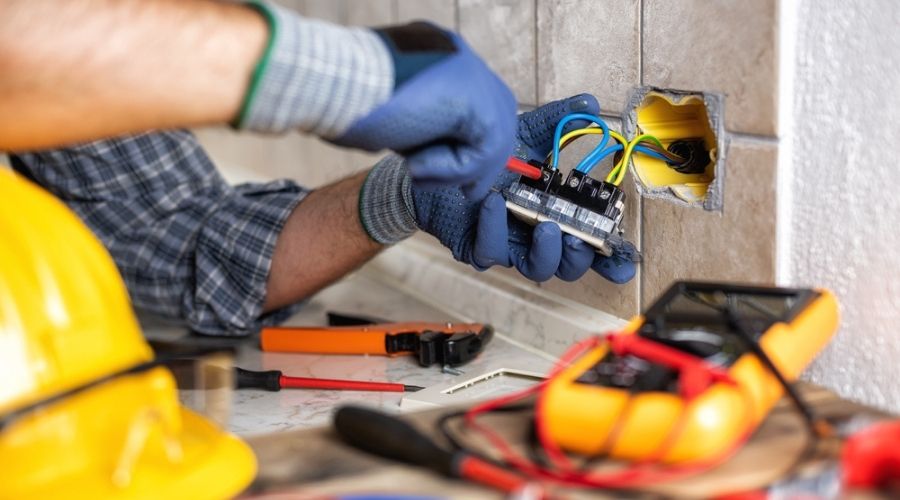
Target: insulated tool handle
[[325, 340], [274, 380], [389, 437], [522, 167], [343, 385], [248, 379], [364, 339]]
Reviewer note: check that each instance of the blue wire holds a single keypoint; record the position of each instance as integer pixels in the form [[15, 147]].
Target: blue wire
[[577, 116], [589, 162], [650, 152]]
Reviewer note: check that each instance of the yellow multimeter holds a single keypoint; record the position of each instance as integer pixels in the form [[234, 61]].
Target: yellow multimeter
[[617, 402]]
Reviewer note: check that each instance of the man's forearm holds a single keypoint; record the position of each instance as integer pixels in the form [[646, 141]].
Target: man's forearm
[[322, 240], [83, 69]]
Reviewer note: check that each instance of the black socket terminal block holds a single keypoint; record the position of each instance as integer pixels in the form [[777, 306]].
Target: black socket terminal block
[[549, 182], [598, 196], [582, 206], [694, 151]]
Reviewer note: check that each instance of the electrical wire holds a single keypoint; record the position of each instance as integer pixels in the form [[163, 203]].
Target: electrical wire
[[670, 157], [597, 155], [617, 174], [641, 148], [557, 134], [644, 144], [569, 137], [647, 145]]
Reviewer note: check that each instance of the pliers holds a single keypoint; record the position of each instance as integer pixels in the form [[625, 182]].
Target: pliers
[[447, 344]]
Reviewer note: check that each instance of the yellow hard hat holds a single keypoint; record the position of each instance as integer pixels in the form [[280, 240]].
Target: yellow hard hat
[[66, 323]]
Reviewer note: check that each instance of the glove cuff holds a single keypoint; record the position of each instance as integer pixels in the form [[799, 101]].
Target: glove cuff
[[315, 76], [385, 202]]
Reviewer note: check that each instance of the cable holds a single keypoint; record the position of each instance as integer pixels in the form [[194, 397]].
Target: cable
[[570, 137], [649, 145], [588, 159], [557, 134], [596, 161], [644, 144], [574, 134], [650, 152], [597, 155], [443, 425], [617, 174]]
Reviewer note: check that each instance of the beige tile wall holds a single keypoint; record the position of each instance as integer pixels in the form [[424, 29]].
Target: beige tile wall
[[589, 46], [441, 12], [548, 49], [727, 46], [502, 31], [737, 244], [371, 12]]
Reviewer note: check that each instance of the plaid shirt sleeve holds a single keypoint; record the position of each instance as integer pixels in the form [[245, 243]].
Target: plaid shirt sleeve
[[189, 245]]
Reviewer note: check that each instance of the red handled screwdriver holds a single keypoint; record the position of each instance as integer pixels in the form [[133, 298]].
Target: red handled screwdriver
[[274, 380]]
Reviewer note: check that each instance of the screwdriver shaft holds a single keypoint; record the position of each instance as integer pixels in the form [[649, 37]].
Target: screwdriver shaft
[[334, 384]]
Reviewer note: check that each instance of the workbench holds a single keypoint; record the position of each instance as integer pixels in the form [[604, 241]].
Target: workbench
[[300, 456], [315, 463], [257, 412]]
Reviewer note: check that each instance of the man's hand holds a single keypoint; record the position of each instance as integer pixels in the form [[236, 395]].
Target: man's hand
[[451, 117], [484, 235]]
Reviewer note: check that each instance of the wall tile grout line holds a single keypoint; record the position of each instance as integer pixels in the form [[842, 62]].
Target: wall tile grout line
[[754, 138], [614, 116], [641, 42], [537, 60], [641, 231]]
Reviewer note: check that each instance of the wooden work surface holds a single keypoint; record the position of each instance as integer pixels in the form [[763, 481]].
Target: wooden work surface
[[312, 463]]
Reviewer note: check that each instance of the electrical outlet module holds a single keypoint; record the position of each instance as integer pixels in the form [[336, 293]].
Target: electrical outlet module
[[582, 206]]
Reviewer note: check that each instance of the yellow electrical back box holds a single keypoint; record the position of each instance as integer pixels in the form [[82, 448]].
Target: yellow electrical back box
[[688, 124], [628, 406]]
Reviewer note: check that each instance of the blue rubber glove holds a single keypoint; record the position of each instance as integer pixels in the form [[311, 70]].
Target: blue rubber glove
[[451, 117], [484, 234]]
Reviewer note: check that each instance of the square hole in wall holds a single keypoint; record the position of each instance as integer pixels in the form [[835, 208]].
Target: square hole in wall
[[690, 125]]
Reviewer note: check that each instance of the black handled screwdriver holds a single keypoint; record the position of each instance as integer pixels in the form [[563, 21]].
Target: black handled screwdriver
[[389, 437]]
